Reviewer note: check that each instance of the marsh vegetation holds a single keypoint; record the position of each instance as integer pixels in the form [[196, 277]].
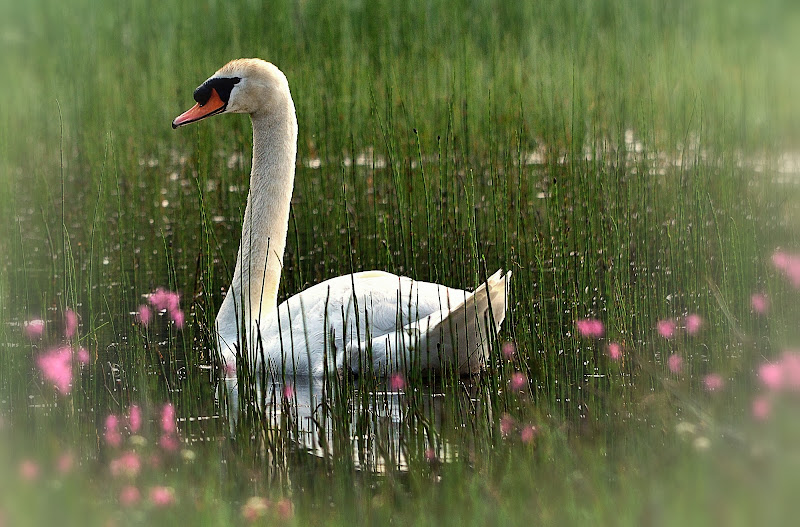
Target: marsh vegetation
[[635, 166]]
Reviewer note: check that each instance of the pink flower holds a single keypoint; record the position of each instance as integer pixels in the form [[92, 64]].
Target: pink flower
[[34, 328], [509, 350], [255, 508], [397, 382], [28, 470], [65, 462], [771, 375], [675, 363], [169, 442], [693, 323], [791, 369], [168, 419], [229, 369], [129, 495], [135, 418], [713, 382], [143, 315], [288, 392], [284, 508], [760, 303], [128, 464], [112, 435], [173, 302], [789, 264], [666, 328], [527, 434], [614, 351], [162, 496], [506, 424], [430, 455], [154, 461], [178, 317], [590, 328], [780, 260], [82, 355], [56, 366], [165, 300], [761, 408], [518, 381], [70, 323], [158, 299]]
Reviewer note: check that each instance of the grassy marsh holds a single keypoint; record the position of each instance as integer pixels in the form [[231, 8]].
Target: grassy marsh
[[628, 163]]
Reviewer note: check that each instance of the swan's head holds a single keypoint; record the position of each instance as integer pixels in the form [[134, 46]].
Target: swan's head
[[251, 86]]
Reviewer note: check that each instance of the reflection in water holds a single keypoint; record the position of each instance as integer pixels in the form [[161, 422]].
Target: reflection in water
[[380, 424]]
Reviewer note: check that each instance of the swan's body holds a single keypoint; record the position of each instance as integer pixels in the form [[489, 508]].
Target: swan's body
[[369, 320]]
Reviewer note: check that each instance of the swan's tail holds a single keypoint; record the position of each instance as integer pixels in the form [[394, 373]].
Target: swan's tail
[[460, 337], [456, 337]]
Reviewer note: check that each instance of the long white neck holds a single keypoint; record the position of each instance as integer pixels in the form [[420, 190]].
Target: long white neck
[[254, 289]]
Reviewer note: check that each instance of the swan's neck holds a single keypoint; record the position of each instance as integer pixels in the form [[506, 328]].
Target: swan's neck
[[254, 290]]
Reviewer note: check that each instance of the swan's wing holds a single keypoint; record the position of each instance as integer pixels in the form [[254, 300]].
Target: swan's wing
[[455, 336], [320, 322]]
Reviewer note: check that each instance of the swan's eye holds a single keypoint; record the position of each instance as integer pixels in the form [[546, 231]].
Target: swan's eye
[[222, 85]]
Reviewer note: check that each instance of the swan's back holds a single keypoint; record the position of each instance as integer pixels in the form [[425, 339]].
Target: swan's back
[[344, 319], [348, 309]]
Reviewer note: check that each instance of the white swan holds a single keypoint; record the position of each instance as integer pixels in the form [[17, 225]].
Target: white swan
[[364, 320]]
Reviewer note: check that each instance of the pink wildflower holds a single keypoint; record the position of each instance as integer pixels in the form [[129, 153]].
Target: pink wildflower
[[143, 315], [169, 442], [65, 462], [285, 509], [780, 260], [760, 303], [128, 464], [713, 382], [164, 300], [666, 328], [162, 496], [789, 264], [528, 433], [154, 461], [229, 369], [135, 418], [518, 381], [614, 351], [771, 375], [397, 382], [254, 508], [791, 369], [158, 299], [129, 495], [34, 328], [506, 424], [168, 419], [173, 302], [693, 323], [288, 392], [590, 328], [509, 350], [56, 366], [112, 435], [70, 323], [178, 317], [28, 470], [761, 408], [83, 356], [675, 363], [430, 455]]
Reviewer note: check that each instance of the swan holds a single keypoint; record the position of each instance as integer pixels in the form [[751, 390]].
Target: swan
[[365, 321]]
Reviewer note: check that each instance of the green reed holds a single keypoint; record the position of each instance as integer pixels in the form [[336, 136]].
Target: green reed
[[441, 141]]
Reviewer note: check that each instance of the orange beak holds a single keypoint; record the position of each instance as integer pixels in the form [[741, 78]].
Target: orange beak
[[214, 105]]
